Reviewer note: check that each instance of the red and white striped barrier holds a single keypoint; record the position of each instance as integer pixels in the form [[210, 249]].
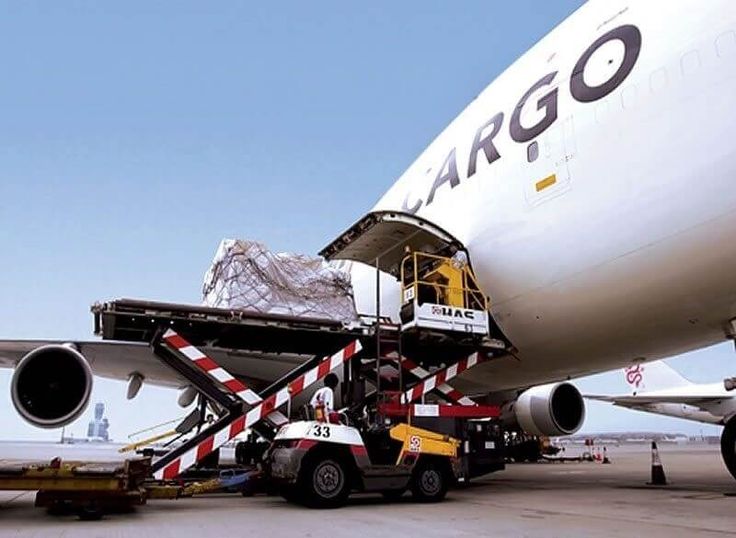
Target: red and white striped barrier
[[219, 374], [259, 412], [450, 393], [439, 378]]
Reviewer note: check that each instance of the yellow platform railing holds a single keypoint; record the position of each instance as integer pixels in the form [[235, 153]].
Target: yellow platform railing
[[440, 280]]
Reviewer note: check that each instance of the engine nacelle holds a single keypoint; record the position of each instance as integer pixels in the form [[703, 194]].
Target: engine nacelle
[[554, 409], [51, 386]]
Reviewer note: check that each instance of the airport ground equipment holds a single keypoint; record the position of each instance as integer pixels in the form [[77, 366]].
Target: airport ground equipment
[[385, 367], [92, 489], [404, 426], [243, 408], [319, 463], [181, 335], [523, 447], [86, 488]]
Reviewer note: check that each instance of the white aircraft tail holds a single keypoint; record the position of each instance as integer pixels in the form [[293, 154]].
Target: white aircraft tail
[[655, 375]]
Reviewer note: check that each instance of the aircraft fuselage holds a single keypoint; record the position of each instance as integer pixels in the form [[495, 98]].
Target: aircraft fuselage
[[591, 185]]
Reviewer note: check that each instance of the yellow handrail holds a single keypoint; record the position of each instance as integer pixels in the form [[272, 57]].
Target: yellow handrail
[[472, 296], [144, 442]]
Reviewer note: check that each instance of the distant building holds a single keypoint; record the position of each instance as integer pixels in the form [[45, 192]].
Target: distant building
[[98, 427]]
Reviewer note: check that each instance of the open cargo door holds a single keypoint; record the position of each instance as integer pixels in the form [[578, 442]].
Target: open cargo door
[[438, 288], [380, 239]]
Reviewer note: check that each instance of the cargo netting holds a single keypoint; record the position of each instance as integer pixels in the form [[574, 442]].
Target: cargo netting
[[245, 275]]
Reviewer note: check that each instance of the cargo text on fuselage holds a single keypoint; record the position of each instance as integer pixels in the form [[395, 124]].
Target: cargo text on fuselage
[[581, 91]]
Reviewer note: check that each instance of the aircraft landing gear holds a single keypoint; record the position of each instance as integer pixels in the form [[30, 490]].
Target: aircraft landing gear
[[728, 446]]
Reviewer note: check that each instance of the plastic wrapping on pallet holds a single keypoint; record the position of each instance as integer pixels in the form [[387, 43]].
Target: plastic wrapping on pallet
[[245, 275]]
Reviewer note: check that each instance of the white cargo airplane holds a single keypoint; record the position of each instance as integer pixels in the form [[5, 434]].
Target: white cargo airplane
[[659, 388], [591, 184]]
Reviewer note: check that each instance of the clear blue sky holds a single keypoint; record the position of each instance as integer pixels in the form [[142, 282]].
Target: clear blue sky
[[135, 136]]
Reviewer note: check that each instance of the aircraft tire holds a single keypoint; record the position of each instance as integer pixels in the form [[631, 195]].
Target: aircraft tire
[[728, 446]]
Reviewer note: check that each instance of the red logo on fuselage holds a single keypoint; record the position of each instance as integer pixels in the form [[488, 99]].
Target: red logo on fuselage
[[635, 375]]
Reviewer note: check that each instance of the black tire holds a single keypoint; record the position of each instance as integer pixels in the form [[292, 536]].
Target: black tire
[[59, 508], [728, 446], [323, 482], [90, 512], [429, 482]]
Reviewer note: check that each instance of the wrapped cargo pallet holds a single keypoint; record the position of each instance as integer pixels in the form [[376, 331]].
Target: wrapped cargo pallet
[[245, 275]]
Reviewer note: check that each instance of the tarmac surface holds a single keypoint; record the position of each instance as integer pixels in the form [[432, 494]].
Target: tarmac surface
[[545, 499]]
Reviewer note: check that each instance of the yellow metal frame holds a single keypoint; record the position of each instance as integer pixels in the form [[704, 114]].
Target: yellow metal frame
[[420, 441], [144, 442], [462, 291], [71, 476]]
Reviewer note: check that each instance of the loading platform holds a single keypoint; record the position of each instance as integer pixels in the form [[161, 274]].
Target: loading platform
[[398, 371]]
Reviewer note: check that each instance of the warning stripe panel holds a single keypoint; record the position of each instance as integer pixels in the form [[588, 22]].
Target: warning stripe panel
[[440, 377], [206, 364], [216, 372], [451, 393], [257, 413], [205, 447]]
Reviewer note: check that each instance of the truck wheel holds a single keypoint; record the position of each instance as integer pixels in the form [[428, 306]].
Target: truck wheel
[[323, 483], [728, 446], [429, 483], [90, 512]]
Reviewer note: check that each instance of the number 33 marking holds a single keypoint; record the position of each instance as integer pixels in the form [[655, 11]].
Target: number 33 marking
[[321, 431]]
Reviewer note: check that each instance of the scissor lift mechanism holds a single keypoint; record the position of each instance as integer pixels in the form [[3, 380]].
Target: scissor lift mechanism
[[172, 338]]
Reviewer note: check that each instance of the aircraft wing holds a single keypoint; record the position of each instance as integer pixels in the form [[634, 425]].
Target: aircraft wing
[[118, 360], [636, 401]]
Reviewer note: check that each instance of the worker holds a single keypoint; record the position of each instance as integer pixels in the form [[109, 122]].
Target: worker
[[459, 258], [408, 266], [323, 400]]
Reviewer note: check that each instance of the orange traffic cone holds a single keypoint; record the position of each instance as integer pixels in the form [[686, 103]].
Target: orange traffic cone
[[605, 456], [658, 478]]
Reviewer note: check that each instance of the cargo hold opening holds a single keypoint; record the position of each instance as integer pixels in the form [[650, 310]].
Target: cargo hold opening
[[439, 290]]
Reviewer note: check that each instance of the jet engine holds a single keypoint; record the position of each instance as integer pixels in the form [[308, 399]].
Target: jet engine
[[51, 385], [554, 409]]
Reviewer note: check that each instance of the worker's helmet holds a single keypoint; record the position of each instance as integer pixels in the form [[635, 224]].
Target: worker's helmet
[[331, 380]]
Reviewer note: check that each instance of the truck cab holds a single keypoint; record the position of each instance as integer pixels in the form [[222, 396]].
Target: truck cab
[[319, 464]]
